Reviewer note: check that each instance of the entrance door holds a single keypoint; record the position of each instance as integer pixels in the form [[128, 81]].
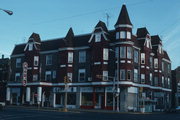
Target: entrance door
[[14, 98]]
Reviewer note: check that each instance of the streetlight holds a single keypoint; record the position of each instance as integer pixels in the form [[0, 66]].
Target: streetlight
[[9, 12], [118, 90]]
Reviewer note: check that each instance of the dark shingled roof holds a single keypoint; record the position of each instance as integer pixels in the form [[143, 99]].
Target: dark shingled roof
[[123, 17], [36, 37], [18, 49], [166, 56], [69, 38], [155, 40], [142, 32]]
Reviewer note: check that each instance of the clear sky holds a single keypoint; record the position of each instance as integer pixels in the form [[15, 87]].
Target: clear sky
[[52, 19]]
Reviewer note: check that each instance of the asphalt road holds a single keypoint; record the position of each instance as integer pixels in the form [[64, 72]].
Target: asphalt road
[[30, 114]]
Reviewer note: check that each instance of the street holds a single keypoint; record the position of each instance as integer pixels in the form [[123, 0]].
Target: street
[[17, 113]]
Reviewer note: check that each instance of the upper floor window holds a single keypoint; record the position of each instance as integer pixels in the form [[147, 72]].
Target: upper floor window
[[122, 74], [105, 54], [69, 75], [54, 74], [168, 82], [18, 62], [156, 81], [17, 77], [81, 75], [48, 76], [122, 52], [70, 57], [169, 68], [151, 78], [136, 56], [35, 77], [117, 35], [128, 35], [82, 56], [162, 66], [48, 59], [36, 60], [122, 34], [129, 52], [116, 52], [155, 63], [97, 37], [129, 74], [135, 75], [105, 75], [142, 58], [30, 46], [142, 78], [151, 61], [162, 81]]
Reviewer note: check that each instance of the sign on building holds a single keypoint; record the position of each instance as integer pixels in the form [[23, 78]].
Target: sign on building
[[25, 68]]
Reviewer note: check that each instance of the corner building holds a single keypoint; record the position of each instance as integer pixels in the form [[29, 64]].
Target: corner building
[[107, 69]]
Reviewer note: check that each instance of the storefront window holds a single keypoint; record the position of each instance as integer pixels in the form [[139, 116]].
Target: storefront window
[[109, 99], [87, 99]]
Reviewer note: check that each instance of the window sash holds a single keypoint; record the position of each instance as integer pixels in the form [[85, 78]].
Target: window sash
[[128, 35], [105, 54], [117, 35], [35, 77], [18, 62], [48, 76], [81, 75], [122, 52], [122, 34], [142, 58], [36, 60], [105, 75], [82, 56], [49, 60], [122, 74], [135, 75], [136, 56], [98, 37], [17, 77], [69, 75], [129, 74], [129, 52], [70, 57], [142, 78]]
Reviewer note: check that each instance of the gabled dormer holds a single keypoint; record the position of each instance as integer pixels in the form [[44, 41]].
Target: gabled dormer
[[99, 33], [69, 39], [33, 43], [123, 25], [157, 42]]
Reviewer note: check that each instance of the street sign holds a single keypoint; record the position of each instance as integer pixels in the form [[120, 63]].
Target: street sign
[[25, 68]]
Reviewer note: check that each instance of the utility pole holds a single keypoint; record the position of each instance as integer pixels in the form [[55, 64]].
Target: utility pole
[[107, 17]]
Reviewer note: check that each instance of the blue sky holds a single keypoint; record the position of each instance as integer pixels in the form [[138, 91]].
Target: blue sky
[[52, 19]]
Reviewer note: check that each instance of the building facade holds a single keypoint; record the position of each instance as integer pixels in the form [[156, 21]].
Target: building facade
[[106, 69], [176, 87], [4, 77]]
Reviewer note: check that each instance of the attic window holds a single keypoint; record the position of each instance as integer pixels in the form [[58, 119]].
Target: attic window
[[97, 37], [30, 47], [122, 34], [117, 35], [128, 35]]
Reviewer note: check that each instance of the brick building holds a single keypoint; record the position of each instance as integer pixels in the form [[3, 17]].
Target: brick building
[[107, 69]]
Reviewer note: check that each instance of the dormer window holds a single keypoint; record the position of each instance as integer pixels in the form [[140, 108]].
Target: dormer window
[[122, 34], [30, 47], [98, 37]]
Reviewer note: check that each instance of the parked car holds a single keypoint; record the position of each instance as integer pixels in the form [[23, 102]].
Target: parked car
[[178, 108]]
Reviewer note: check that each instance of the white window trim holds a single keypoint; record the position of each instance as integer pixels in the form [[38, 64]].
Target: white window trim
[[98, 37], [105, 54], [81, 71], [70, 57], [36, 59]]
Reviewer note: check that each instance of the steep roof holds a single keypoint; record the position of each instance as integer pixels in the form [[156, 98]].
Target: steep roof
[[155, 40], [142, 32], [35, 37], [166, 56], [69, 38], [123, 17], [102, 25]]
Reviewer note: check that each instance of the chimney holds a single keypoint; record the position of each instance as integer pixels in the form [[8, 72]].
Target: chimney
[[2, 56]]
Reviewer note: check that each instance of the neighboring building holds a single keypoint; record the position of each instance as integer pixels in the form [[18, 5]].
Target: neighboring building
[[176, 87], [138, 64], [4, 76]]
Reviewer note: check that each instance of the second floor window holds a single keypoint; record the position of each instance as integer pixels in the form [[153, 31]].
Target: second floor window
[[17, 77], [151, 78], [70, 57], [129, 52], [156, 81], [82, 56], [122, 52], [36, 60], [142, 58], [81, 75], [18, 62], [135, 75], [35, 77], [69, 75], [48, 76], [129, 74], [151, 61], [122, 74], [136, 56], [48, 59], [105, 54], [142, 78], [105, 75], [155, 63]]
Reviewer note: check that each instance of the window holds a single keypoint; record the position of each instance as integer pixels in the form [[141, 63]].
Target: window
[[82, 56], [122, 52], [48, 59], [147, 43], [142, 58], [162, 66], [122, 34], [54, 74], [35, 77], [136, 56], [98, 37], [18, 62], [17, 77], [128, 35], [105, 75], [142, 78], [168, 82], [129, 74], [70, 57], [129, 52], [169, 68], [122, 74], [162, 81], [135, 75], [151, 78], [151, 61], [116, 52], [155, 63], [69, 75], [156, 81], [48, 76], [117, 35], [105, 54], [36, 60], [81, 75], [30, 47]]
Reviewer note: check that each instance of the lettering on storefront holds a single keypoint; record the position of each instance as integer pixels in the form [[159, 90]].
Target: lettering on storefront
[[99, 89], [61, 89], [109, 89], [86, 89]]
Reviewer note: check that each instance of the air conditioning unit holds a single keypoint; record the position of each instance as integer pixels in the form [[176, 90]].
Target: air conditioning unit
[[89, 79]]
